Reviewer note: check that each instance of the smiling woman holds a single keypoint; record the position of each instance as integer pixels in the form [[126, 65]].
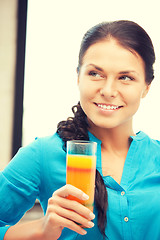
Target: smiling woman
[[115, 72]]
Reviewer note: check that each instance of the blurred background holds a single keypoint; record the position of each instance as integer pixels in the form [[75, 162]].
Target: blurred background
[[39, 45]]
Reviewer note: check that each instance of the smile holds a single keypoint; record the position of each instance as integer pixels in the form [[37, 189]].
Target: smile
[[107, 107]]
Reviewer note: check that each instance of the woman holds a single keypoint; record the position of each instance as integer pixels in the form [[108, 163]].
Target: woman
[[115, 72]]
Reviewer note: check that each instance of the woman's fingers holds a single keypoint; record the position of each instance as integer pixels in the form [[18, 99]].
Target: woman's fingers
[[71, 205], [59, 198], [71, 215], [68, 189]]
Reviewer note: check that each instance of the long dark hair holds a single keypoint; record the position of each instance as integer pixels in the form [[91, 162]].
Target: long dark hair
[[133, 37]]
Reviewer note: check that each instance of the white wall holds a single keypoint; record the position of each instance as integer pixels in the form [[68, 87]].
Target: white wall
[[55, 30], [8, 23]]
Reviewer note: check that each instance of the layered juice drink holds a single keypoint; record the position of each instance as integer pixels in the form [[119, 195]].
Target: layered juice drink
[[81, 169]]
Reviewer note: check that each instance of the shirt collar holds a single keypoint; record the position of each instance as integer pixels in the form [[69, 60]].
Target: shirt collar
[[138, 137]]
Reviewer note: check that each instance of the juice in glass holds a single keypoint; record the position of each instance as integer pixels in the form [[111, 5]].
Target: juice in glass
[[81, 169]]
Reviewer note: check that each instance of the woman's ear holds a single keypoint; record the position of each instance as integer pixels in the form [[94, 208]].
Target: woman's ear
[[146, 90]]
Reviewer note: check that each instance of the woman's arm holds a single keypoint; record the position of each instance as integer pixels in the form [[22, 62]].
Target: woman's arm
[[25, 231], [61, 212], [19, 186]]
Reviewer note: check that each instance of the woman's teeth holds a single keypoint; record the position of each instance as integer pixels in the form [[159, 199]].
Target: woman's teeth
[[108, 107]]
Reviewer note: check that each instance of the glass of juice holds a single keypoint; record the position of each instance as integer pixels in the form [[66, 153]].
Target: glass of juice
[[81, 168]]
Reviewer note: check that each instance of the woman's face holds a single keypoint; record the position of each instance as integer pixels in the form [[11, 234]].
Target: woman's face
[[111, 83]]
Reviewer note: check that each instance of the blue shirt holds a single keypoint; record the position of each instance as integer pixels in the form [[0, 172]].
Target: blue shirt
[[39, 169]]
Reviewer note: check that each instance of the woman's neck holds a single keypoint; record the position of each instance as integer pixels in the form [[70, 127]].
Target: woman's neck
[[115, 139]]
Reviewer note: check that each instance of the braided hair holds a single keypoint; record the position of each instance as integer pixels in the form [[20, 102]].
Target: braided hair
[[76, 128]]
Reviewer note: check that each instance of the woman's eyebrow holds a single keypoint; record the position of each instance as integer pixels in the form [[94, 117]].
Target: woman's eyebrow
[[128, 72], [96, 67]]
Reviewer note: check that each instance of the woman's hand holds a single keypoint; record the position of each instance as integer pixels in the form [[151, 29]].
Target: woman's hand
[[62, 212]]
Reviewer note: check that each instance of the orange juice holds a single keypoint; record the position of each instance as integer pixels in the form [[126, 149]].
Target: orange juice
[[81, 174]]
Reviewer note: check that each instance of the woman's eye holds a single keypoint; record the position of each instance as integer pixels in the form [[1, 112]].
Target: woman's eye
[[126, 78], [95, 74]]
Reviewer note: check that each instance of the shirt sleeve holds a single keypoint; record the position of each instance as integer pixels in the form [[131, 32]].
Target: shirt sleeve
[[19, 185], [3, 231]]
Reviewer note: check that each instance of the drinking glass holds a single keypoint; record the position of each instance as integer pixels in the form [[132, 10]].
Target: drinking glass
[[81, 168]]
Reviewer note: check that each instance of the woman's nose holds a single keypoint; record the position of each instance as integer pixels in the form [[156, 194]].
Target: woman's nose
[[109, 89]]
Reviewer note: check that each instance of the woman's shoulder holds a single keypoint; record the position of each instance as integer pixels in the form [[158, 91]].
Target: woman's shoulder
[[51, 141], [35, 153], [151, 142], [39, 148], [51, 144]]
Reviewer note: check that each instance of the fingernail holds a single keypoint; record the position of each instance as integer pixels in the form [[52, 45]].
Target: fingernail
[[84, 232], [85, 196], [90, 224], [92, 216]]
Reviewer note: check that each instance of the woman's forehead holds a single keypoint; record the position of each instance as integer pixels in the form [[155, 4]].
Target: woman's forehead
[[109, 51]]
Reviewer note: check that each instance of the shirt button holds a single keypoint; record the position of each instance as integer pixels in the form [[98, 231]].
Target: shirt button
[[122, 193], [126, 219]]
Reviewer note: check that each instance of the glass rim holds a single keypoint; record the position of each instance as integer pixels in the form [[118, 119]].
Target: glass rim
[[81, 141]]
